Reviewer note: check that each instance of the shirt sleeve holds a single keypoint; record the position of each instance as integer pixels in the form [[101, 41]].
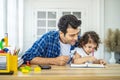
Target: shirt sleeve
[[37, 49], [78, 50]]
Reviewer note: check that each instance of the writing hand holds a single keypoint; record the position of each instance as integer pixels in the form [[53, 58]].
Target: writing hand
[[62, 60], [91, 58], [101, 61]]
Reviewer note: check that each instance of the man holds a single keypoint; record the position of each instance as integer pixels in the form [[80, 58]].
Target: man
[[54, 47]]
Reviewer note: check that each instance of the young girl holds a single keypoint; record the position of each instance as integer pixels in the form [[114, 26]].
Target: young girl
[[88, 43]]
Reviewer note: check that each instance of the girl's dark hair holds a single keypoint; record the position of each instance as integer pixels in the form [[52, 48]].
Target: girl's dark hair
[[88, 37], [68, 20]]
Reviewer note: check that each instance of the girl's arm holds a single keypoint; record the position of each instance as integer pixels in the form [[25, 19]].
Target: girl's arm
[[77, 59], [100, 61]]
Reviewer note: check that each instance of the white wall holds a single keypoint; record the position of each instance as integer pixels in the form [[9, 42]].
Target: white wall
[[112, 14], [112, 17]]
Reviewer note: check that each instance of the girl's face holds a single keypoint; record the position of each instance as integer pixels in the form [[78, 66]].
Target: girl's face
[[89, 47]]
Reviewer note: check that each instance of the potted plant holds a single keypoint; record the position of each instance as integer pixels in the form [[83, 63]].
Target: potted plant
[[112, 43], [117, 40]]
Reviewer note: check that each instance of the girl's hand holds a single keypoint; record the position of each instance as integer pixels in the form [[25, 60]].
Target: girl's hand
[[101, 61]]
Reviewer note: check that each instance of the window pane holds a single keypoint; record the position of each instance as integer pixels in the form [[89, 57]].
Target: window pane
[[41, 23], [51, 29], [77, 14], [40, 31], [51, 15], [41, 14], [66, 13], [51, 23]]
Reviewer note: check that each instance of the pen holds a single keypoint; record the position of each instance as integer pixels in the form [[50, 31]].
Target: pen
[[71, 56], [18, 51], [93, 52]]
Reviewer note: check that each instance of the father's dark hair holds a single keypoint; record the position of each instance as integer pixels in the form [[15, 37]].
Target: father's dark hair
[[68, 20]]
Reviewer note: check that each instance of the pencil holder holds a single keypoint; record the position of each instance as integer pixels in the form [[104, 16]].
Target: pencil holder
[[14, 63]]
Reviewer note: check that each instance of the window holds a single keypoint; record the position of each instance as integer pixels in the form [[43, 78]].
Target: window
[[46, 20]]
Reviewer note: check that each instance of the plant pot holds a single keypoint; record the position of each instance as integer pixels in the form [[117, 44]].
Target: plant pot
[[112, 59]]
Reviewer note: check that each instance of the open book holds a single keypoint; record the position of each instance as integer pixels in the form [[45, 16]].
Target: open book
[[87, 65]]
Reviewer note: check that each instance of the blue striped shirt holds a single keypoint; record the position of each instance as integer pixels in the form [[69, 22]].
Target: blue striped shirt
[[48, 46]]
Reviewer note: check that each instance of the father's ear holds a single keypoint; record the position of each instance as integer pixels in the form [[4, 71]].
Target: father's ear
[[61, 33]]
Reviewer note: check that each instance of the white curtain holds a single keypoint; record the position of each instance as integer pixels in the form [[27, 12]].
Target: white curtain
[[12, 22], [15, 23], [2, 18]]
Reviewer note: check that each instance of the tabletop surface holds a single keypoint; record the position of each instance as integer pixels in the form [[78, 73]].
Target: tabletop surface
[[110, 72]]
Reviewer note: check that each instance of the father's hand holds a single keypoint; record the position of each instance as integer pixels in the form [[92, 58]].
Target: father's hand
[[61, 60]]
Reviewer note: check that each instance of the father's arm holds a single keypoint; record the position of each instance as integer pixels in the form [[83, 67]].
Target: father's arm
[[37, 52], [61, 60]]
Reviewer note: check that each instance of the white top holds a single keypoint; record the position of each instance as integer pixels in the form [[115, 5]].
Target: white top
[[81, 52], [65, 49]]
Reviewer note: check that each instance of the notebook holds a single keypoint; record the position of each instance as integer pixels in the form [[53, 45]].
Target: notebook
[[87, 65]]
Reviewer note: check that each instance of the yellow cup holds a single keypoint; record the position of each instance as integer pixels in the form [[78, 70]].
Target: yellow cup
[[14, 63]]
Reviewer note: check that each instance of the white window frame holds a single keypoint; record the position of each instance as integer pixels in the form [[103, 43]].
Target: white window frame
[[58, 15]]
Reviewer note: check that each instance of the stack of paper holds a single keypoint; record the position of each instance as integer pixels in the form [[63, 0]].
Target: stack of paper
[[3, 62], [20, 61]]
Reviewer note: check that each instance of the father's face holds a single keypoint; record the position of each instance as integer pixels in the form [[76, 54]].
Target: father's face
[[71, 36]]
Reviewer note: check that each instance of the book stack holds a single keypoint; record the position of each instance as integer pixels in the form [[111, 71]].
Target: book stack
[[20, 61]]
